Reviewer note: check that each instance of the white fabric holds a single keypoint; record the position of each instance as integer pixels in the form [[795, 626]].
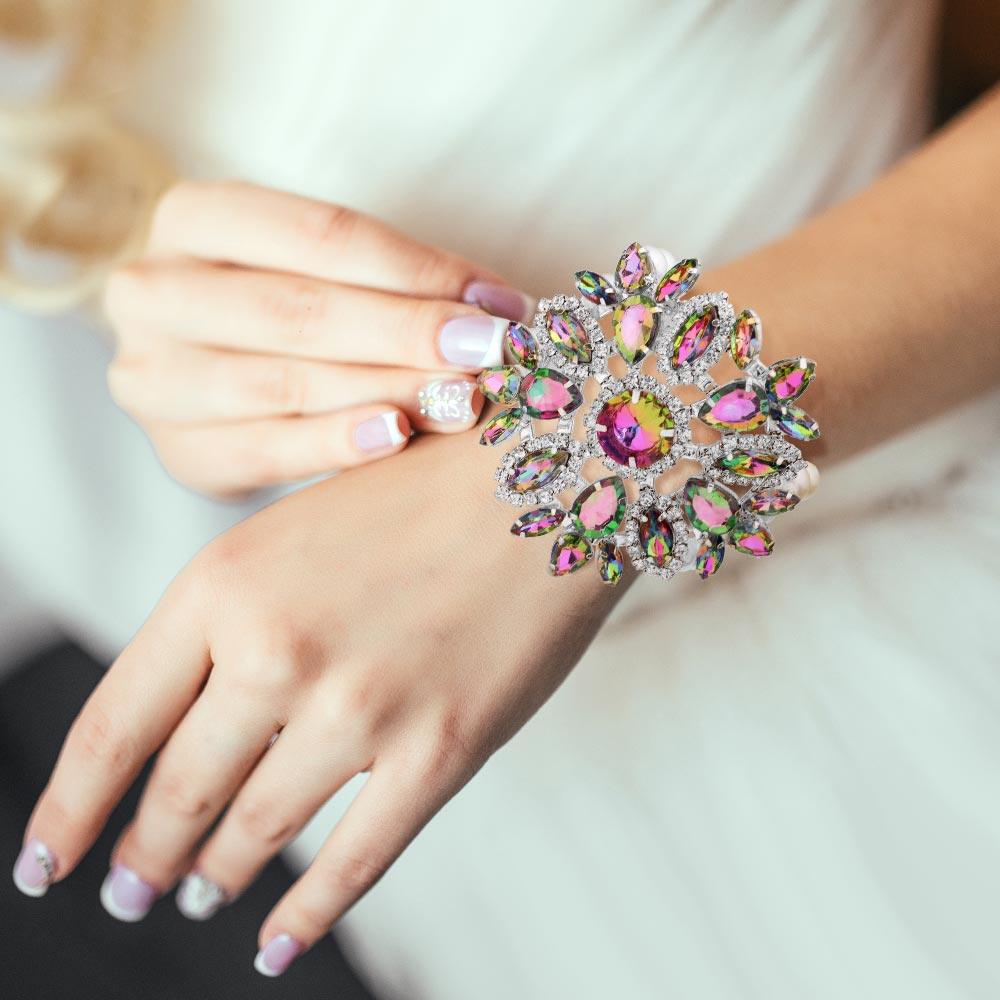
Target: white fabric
[[795, 800]]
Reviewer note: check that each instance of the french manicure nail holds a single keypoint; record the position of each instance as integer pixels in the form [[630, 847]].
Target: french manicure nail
[[379, 433], [474, 341], [277, 955], [126, 896], [805, 482], [448, 401], [199, 898], [34, 869], [499, 300]]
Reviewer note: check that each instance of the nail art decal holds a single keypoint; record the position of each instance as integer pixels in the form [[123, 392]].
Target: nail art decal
[[34, 869], [199, 898], [448, 401]]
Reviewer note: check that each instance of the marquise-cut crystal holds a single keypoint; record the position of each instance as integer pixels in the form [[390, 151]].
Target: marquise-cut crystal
[[500, 384], [746, 338], [788, 379], [609, 561], [771, 502], [752, 543], [500, 427], [694, 336], [708, 507], [600, 509], [750, 466], [634, 428], [633, 268], [570, 552], [547, 394], [595, 288], [709, 557], [656, 537], [568, 336], [736, 406], [537, 469], [679, 280], [634, 322], [795, 422], [537, 522], [521, 344]]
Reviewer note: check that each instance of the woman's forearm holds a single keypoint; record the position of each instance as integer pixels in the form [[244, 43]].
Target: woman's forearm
[[895, 293]]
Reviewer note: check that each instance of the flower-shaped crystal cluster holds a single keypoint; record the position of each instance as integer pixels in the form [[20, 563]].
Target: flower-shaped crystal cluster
[[637, 426]]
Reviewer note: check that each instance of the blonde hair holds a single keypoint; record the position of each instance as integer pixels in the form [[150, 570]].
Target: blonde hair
[[75, 181]]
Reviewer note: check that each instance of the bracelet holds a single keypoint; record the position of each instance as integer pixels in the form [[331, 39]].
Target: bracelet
[[638, 426]]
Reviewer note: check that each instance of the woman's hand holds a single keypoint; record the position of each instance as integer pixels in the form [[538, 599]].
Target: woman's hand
[[360, 620], [265, 337]]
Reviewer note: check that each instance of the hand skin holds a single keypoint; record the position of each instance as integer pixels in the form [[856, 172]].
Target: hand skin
[[264, 337]]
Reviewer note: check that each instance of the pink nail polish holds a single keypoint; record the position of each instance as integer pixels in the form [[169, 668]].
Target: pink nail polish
[[379, 433], [126, 896], [34, 869], [277, 955], [473, 341], [499, 300]]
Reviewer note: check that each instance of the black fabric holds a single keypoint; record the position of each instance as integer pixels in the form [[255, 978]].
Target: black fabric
[[64, 946]]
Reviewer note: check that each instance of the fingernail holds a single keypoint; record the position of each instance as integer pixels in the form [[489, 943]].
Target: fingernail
[[125, 896], [199, 898], [660, 260], [277, 955], [499, 300], [473, 341], [34, 869], [805, 482], [379, 433], [449, 401]]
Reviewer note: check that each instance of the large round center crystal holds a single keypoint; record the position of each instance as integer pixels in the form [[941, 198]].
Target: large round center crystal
[[635, 428]]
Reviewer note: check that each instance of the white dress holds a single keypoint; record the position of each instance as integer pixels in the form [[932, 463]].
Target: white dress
[[795, 795]]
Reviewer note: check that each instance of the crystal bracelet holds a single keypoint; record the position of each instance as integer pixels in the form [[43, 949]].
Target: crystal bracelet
[[638, 428]]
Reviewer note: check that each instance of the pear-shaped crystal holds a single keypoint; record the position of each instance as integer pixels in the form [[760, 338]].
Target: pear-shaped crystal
[[795, 422], [656, 537], [788, 379], [568, 336], [537, 522], [570, 552], [500, 427], [709, 557], [708, 507], [521, 344], [678, 281], [500, 384], [600, 509], [537, 469], [770, 502], [633, 268], [547, 394], [609, 561], [595, 288], [746, 338], [694, 336], [634, 322], [736, 406], [752, 466], [752, 543]]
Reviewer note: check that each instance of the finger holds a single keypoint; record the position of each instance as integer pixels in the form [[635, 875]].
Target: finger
[[125, 720], [210, 753], [268, 313], [190, 384], [232, 458], [389, 811], [257, 227]]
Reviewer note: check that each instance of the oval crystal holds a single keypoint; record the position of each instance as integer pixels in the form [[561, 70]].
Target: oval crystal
[[656, 537], [679, 280], [757, 543], [694, 336], [634, 323], [537, 469], [795, 422], [788, 379], [736, 406], [633, 268], [595, 288], [750, 466], [600, 509], [568, 336], [746, 338], [708, 507], [521, 344], [547, 394], [771, 502], [610, 562], [538, 522], [709, 557], [500, 384], [500, 427], [570, 552], [634, 428]]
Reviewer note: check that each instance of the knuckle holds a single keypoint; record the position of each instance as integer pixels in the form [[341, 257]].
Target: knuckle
[[354, 874], [73, 825], [286, 387], [437, 269], [263, 822], [102, 739], [329, 225], [180, 795], [455, 745], [297, 307]]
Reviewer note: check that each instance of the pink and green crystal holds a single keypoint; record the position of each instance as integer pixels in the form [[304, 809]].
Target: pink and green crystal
[[610, 563], [547, 394], [634, 324], [600, 509], [708, 507], [694, 336], [656, 537], [746, 338], [757, 543], [795, 422], [499, 428], [568, 336], [751, 466], [537, 522], [771, 502], [500, 384], [634, 428], [569, 553], [521, 344], [537, 469], [595, 288], [736, 406], [633, 268], [788, 379], [709, 557], [679, 280]]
